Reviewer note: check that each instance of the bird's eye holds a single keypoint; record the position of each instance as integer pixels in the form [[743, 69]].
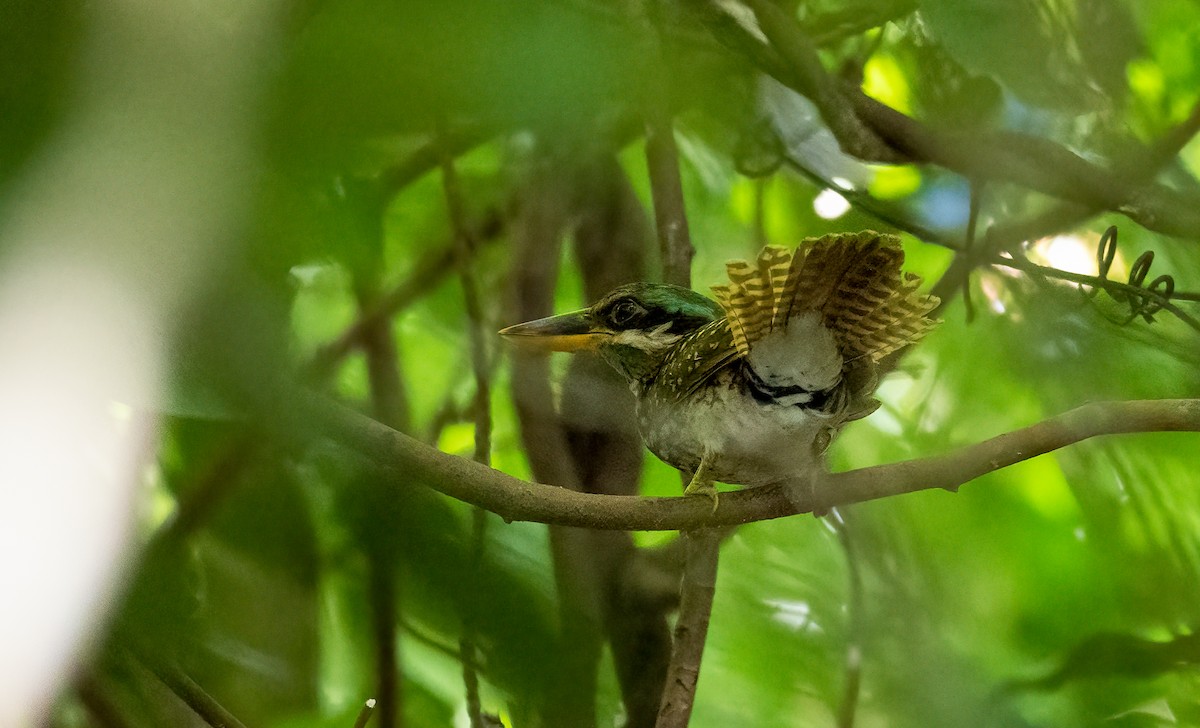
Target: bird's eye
[[624, 312]]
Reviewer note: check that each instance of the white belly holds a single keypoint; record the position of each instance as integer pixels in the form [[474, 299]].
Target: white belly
[[748, 442]]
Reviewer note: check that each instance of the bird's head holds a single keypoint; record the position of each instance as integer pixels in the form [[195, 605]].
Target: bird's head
[[633, 327]]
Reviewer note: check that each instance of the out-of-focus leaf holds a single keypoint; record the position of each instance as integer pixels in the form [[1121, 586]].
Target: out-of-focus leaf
[[1024, 44]]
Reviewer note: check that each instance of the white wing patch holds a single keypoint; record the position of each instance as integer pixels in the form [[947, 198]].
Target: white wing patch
[[805, 354], [652, 341]]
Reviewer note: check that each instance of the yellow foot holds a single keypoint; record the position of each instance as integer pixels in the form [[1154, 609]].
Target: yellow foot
[[703, 487]]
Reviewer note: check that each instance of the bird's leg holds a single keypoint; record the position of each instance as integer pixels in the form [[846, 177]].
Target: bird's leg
[[702, 481]]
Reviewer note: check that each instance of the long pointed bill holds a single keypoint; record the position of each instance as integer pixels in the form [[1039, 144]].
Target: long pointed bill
[[565, 332]]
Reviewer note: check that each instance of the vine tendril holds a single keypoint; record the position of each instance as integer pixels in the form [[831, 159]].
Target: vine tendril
[[1144, 300]]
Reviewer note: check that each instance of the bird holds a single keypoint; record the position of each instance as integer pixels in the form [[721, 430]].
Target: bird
[[751, 387]]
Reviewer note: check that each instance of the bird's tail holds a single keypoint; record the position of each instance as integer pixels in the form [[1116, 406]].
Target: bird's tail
[[855, 282]]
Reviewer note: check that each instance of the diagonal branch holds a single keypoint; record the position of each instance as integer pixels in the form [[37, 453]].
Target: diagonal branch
[[872, 130], [1138, 168], [406, 460], [427, 273], [204, 705], [799, 54], [451, 142]]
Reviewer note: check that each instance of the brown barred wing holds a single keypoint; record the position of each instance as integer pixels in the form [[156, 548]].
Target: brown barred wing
[[866, 300], [854, 281]]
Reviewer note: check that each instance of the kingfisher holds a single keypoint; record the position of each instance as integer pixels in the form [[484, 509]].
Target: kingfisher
[[752, 387]]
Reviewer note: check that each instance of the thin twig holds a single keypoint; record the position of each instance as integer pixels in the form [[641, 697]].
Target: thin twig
[[103, 710], [1135, 168], [429, 156], [1105, 284], [408, 461], [192, 694], [210, 486], [423, 636], [666, 188], [468, 652], [364, 715], [389, 399], [427, 273], [384, 606], [389, 403], [546, 442], [882, 210], [483, 418]]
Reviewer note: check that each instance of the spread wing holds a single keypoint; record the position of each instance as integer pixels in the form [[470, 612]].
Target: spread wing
[[819, 316]]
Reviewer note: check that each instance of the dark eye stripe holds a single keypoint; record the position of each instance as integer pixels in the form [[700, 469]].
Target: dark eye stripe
[[625, 314]]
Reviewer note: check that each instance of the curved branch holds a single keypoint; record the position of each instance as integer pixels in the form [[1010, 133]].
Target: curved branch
[[407, 460]]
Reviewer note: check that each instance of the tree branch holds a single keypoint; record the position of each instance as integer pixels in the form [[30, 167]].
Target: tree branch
[[800, 54], [406, 460], [612, 235], [452, 142], [100, 706], [859, 121], [662, 163], [1138, 168], [848, 707], [696, 592]]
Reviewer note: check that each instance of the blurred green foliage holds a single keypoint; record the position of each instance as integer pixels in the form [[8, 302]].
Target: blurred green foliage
[[1058, 592]]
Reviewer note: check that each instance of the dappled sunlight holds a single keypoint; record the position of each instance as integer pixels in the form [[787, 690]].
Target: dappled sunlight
[[795, 615], [1072, 253], [830, 204]]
